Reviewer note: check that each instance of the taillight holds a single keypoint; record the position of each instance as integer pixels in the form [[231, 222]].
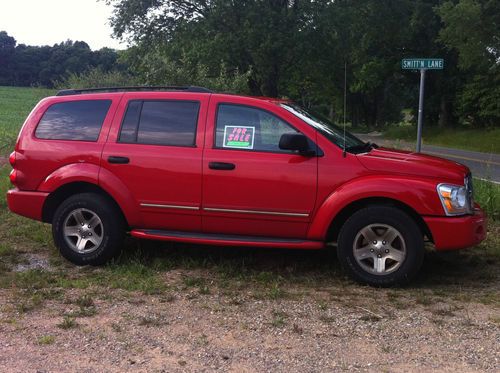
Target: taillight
[[13, 177], [12, 159]]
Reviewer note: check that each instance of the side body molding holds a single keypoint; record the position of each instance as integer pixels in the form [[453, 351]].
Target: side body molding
[[93, 174], [418, 194]]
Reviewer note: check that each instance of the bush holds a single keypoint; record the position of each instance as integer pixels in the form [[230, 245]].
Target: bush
[[96, 78]]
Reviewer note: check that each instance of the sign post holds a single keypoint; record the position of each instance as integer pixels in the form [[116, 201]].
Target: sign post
[[422, 64]]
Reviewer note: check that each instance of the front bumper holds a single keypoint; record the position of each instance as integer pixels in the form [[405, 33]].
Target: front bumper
[[29, 204], [452, 233]]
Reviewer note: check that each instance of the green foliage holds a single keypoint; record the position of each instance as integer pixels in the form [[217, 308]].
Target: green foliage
[[487, 194], [295, 49], [24, 65], [471, 28], [155, 68], [96, 78]]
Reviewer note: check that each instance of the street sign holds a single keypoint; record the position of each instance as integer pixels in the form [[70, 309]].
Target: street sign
[[422, 63]]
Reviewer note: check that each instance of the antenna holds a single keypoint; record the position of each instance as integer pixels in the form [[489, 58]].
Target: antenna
[[345, 102]]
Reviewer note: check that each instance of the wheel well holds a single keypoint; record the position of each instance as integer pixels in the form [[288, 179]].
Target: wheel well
[[347, 211], [63, 192]]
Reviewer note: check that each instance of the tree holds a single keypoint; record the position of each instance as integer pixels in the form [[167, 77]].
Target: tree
[[471, 29], [7, 49]]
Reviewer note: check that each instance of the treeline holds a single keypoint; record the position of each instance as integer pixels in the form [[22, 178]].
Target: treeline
[[298, 49], [24, 65]]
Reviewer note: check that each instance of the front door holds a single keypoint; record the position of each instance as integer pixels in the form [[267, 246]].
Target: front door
[[156, 151], [250, 186]]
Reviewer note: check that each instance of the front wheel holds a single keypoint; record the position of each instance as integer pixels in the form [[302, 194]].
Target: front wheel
[[88, 229], [381, 246]]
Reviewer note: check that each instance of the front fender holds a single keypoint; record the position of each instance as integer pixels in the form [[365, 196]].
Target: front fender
[[417, 193]]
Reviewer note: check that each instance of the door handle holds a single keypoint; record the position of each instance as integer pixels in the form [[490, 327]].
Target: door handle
[[118, 160], [221, 166]]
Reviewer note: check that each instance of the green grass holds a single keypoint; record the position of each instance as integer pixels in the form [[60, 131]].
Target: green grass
[[481, 140], [15, 105], [487, 194]]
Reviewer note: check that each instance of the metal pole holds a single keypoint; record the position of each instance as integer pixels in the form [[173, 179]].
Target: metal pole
[[420, 110]]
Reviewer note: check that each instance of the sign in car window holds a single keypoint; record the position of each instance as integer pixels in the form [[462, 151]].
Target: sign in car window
[[239, 137]]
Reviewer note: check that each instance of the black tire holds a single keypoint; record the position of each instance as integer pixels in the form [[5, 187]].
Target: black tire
[[410, 242], [111, 229]]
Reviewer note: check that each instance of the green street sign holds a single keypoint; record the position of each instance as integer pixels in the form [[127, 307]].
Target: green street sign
[[422, 63]]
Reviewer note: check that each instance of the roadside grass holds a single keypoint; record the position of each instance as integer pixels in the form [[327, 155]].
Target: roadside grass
[[487, 194], [481, 140], [15, 105]]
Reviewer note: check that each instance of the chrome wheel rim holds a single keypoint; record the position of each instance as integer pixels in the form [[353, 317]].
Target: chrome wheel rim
[[379, 249], [83, 231]]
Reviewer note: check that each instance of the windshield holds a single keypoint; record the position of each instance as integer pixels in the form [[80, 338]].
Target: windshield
[[334, 133]]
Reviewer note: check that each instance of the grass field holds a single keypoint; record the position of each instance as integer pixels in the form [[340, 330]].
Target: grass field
[[487, 141], [15, 105]]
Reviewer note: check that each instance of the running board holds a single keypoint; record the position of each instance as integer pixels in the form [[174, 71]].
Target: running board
[[225, 240]]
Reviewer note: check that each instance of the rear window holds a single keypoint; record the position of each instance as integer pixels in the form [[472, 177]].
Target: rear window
[[160, 123], [73, 120]]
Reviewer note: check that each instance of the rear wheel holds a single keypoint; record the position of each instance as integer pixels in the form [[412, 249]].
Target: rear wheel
[[88, 229], [381, 246]]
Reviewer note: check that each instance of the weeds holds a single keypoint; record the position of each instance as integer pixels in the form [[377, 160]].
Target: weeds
[[279, 319], [68, 322], [46, 340]]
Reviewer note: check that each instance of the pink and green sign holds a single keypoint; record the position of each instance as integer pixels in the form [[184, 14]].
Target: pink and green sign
[[240, 137]]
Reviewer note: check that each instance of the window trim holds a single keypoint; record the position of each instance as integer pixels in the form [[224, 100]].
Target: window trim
[[110, 101], [142, 101], [214, 144]]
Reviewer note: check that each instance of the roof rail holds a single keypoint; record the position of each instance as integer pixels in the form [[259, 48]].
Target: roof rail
[[191, 88]]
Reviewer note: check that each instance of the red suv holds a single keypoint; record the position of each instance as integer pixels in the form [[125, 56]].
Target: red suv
[[188, 165]]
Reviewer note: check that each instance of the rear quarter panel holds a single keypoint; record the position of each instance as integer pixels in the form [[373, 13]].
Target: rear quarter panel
[[38, 159]]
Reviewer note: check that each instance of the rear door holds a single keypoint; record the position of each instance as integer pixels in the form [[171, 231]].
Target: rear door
[[250, 186], [155, 148]]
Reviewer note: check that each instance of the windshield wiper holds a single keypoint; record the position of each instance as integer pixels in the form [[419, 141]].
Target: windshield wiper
[[367, 146]]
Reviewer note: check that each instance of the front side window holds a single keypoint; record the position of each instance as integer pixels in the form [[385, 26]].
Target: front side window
[[160, 123], [249, 128], [73, 120]]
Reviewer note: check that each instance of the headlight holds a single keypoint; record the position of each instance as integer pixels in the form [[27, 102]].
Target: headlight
[[454, 199]]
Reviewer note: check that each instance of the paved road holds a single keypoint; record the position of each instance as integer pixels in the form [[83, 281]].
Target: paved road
[[482, 165]]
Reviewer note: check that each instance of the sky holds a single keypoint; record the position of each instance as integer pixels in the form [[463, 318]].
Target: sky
[[47, 22]]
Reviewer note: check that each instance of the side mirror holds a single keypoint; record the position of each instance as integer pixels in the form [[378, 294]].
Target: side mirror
[[296, 142]]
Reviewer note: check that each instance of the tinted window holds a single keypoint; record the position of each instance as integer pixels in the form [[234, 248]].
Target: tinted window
[[160, 123], [243, 127], [129, 126], [74, 120]]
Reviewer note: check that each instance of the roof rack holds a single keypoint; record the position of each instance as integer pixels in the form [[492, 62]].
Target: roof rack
[[191, 88]]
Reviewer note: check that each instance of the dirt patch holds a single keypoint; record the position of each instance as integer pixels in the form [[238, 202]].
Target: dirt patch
[[184, 330], [32, 261]]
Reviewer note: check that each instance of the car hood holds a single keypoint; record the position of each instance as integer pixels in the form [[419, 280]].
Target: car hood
[[411, 163]]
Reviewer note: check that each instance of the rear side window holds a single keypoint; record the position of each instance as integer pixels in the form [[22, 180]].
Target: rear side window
[[160, 123], [73, 120]]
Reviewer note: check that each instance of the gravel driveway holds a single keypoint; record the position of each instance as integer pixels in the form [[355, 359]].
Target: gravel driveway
[[198, 329]]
